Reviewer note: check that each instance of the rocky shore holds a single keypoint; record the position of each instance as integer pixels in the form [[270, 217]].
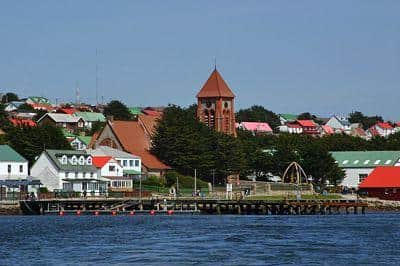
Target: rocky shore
[[10, 209], [375, 204]]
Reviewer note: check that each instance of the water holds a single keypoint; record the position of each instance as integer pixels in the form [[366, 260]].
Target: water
[[201, 240]]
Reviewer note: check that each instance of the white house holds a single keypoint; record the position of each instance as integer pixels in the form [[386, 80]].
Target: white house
[[119, 167], [68, 170], [12, 165], [81, 143], [339, 124], [357, 165]]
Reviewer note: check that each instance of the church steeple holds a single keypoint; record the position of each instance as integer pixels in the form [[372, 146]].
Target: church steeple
[[215, 104]]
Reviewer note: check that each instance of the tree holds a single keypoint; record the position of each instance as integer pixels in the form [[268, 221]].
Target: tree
[[258, 113], [306, 116], [366, 121], [25, 107], [9, 97], [31, 141], [118, 110]]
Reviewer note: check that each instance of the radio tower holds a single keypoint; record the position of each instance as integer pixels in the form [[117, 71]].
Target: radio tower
[[78, 100]]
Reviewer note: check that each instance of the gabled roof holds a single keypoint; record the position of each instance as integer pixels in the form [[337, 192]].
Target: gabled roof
[[100, 161], [342, 120], [384, 125], [134, 139], [306, 123], [382, 177], [8, 154], [215, 86], [327, 129], [55, 155], [373, 131], [38, 99], [85, 139], [69, 111], [289, 117], [104, 151], [256, 126], [365, 159], [61, 118], [135, 110], [90, 116], [359, 131]]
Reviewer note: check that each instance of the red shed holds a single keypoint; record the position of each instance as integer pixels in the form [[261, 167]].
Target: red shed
[[383, 183]]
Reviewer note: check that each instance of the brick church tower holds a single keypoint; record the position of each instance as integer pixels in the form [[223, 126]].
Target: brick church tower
[[215, 105]]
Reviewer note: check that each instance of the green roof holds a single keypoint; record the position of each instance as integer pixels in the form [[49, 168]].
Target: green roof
[[131, 172], [85, 139], [365, 159], [91, 116], [135, 110], [38, 99], [8, 154], [56, 155], [68, 134], [289, 117]]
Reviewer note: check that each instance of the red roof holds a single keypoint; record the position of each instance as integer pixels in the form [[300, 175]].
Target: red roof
[[257, 126], [373, 131], [215, 86], [69, 111], [397, 124], [41, 106], [384, 125], [293, 125], [306, 123], [382, 177], [360, 131], [22, 122], [151, 112], [327, 129], [135, 137], [100, 161]]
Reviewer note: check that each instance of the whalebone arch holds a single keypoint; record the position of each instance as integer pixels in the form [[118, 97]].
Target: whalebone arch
[[294, 174]]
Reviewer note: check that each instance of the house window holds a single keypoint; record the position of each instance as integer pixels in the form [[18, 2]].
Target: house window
[[125, 163], [356, 161], [66, 174], [81, 160], [74, 160], [21, 168], [67, 186], [388, 162], [89, 160], [84, 185], [395, 190], [111, 168], [366, 162], [64, 160], [345, 161], [76, 174], [131, 163], [9, 168], [361, 177], [377, 161], [91, 174], [137, 163]]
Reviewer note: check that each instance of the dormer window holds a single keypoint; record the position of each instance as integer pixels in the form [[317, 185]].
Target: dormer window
[[64, 159], [74, 160], [89, 160], [81, 160]]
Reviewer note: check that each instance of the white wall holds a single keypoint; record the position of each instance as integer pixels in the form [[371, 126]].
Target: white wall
[[15, 170], [128, 166], [44, 170], [105, 171], [351, 179]]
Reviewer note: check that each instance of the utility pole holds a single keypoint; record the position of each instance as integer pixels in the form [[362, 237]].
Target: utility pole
[[195, 183], [177, 185], [213, 176]]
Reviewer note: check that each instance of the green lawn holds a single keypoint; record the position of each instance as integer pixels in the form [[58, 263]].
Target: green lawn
[[304, 197]]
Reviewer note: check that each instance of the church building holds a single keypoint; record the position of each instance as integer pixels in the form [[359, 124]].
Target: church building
[[215, 105]]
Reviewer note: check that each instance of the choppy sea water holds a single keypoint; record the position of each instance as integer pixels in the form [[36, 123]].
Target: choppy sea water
[[200, 240]]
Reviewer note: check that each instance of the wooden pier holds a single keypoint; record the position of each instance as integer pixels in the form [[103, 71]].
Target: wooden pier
[[191, 205]]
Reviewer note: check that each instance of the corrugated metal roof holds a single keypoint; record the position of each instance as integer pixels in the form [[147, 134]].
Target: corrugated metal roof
[[8, 154], [56, 156], [289, 117], [90, 116], [365, 159], [382, 177]]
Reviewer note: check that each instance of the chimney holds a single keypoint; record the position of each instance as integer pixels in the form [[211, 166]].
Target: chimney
[[110, 118]]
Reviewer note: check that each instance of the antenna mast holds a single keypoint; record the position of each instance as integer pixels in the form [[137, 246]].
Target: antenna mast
[[97, 80]]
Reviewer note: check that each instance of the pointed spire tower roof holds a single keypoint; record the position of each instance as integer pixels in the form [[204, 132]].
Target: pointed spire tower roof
[[215, 86]]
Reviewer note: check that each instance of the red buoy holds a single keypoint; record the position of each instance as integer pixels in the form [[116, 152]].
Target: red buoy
[[114, 213], [61, 213], [152, 212], [132, 213], [96, 213], [170, 212], [78, 213]]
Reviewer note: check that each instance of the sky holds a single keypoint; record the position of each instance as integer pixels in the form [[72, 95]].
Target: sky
[[323, 57]]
